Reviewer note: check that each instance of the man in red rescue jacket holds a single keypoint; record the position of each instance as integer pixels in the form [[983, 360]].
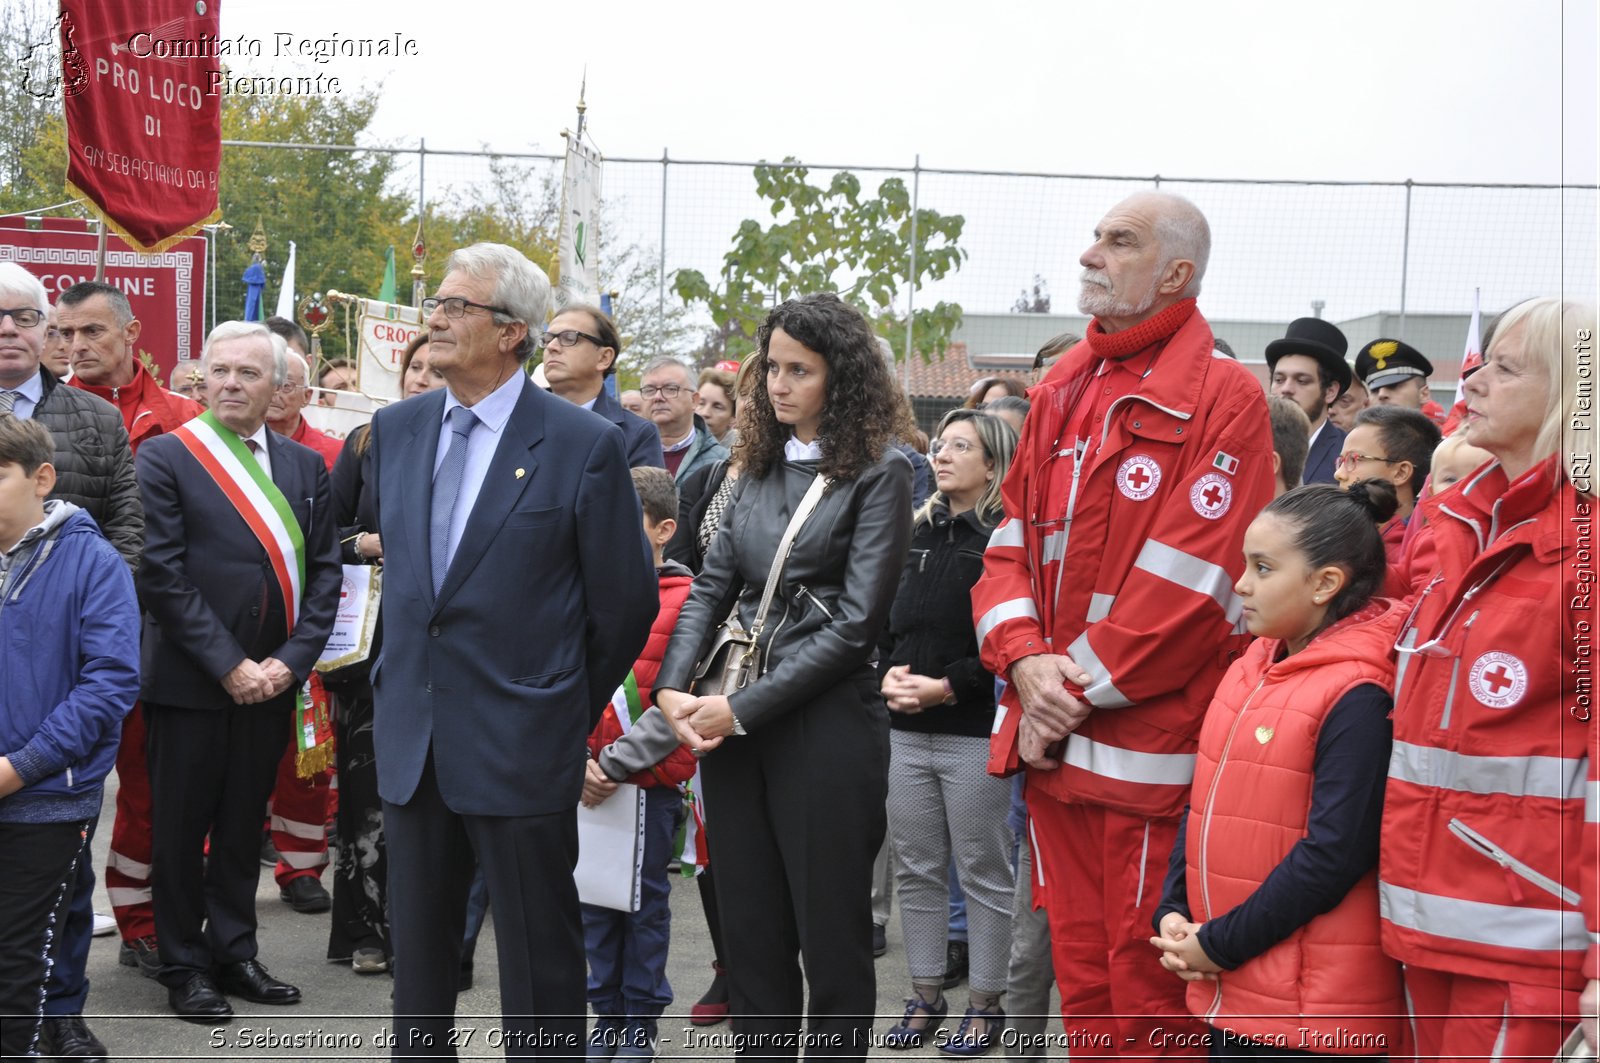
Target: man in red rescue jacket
[[1107, 602]]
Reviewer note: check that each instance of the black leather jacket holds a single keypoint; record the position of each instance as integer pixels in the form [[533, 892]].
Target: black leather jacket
[[834, 594]]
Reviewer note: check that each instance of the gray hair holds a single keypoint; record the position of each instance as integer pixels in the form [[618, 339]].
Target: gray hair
[[666, 361], [13, 278], [83, 291], [239, 330], [519, 286], [294, 357], [1184, 234]]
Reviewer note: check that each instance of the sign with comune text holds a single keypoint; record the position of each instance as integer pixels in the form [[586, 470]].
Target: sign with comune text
[[167, 290], [144, 118]]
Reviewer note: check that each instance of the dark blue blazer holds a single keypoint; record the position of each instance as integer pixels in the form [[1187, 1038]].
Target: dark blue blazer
[[204, 582], [545, 607], [643, 440], [1322, 455]]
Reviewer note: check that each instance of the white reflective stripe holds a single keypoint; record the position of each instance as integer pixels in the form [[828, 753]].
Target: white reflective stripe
[[1144, 855], [1038, 866], [1101, 692], [1195, 573], [1481, 923], [1129, 765], [1594, 939], [1498, 1052], [1554, 777], [1009, 533], [1591, 802], [1408, 641], [128, 866], [1100, 606], [1055, 547], [304, 861], [127, 896], [1015, 609], [999, 717], [298, 830]]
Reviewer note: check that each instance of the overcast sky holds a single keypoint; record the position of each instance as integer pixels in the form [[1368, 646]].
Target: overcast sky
[[1436, 90]]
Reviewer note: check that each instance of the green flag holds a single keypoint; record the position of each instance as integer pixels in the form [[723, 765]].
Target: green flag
[[386, 294]]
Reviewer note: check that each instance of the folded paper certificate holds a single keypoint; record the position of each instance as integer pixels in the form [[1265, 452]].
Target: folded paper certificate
[[611, 850]]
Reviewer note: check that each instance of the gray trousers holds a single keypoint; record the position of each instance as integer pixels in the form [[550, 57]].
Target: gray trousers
[[943, 802], [1032, 973]]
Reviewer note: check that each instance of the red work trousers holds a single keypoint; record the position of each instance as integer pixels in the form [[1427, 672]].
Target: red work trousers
[[299, 820], [128, 865], [1102, 872], [1458, 1017]]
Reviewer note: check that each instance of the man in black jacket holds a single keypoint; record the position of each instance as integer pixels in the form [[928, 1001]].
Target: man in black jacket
[[94, 466]]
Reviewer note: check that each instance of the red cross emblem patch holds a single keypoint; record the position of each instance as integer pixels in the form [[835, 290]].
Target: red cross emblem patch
[[1138, 477], [1498, 680], [1211, 495]]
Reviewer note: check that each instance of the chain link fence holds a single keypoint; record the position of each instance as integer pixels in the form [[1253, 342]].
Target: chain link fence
[[1397, 252]]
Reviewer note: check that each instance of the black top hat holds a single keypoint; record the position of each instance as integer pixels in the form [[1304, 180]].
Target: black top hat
[[1318, 339], [1385, 362]]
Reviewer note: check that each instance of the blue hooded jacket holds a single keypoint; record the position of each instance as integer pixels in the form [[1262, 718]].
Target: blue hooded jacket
[[69, 666]]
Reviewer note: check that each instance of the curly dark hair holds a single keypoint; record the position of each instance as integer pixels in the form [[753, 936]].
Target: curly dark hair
[[862, 407]]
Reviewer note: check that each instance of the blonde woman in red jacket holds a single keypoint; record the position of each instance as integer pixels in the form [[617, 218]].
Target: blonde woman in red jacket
[[1270, 909], [1488, 876]]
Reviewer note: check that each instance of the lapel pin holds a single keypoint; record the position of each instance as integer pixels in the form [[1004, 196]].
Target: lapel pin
[[521, 473]]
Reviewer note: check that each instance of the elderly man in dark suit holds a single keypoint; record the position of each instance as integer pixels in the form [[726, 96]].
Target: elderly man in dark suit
[[240, 582], [518, 591]]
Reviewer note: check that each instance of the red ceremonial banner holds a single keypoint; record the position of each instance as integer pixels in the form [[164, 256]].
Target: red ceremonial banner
[[144, 114], [167, 290]]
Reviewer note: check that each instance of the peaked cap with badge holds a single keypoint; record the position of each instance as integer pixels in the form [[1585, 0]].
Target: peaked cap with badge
[[1385, 362]]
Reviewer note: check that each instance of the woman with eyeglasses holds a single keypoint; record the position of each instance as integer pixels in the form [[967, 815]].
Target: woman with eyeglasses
[[358, 930], [1489, 869], [797, 759], [942, 800]]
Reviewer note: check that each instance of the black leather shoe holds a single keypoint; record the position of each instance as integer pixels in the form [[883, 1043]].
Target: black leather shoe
[[251, 981], [199, 1000], [68, 1037], [306, 894]]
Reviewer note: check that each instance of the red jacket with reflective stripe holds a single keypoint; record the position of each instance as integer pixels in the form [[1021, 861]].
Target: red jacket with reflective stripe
[[1126, 562], [147, 408], [1489, 857], [1251, 801]]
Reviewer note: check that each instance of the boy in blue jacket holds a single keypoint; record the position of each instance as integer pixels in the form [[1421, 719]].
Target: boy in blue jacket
[[69, 643]]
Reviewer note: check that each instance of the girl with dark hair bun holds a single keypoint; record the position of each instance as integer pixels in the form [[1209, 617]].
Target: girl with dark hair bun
[[1270, 908]]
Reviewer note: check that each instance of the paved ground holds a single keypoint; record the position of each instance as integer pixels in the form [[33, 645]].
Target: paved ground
[[344, 1014]]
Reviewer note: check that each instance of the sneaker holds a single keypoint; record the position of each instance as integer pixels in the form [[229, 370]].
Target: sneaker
[[880, 940], [369, 961], [927, 1017], [638, 1040], [104, 925], [141, 953], [269, 853], [955, 965], [604, 1038], [69, 1037]]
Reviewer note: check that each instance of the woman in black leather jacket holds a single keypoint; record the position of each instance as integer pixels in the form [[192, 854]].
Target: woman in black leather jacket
[[796, 774]]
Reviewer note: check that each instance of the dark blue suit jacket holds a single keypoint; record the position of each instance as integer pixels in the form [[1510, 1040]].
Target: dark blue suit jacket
[[545, 607], [643, 440], [204, 582], [1322, 455]]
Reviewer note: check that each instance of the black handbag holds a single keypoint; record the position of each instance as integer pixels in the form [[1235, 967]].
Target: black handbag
[[735, 659]]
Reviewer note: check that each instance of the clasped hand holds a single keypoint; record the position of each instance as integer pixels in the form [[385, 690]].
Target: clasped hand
[[252, 682], [908, 693], [700, 722], [1179, 942], [1049, 713], [597, 785]]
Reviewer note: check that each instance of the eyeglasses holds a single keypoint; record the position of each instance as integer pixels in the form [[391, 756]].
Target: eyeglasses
[[455, 307], [25, 316], [666, 391], [958, 447], [1353, 458], [568, 337]]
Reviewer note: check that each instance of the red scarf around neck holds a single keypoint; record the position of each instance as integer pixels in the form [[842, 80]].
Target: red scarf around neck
[[1117, 345]]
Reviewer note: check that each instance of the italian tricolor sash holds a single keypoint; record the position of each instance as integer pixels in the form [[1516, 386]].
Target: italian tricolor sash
[[238, 474]]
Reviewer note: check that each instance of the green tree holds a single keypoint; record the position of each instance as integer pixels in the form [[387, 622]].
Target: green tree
[[830, 238]]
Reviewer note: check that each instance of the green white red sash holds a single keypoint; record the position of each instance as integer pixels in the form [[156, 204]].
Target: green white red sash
[[240, 476]]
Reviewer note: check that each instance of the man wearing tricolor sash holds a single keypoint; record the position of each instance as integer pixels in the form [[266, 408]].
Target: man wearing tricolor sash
[[240, 582]]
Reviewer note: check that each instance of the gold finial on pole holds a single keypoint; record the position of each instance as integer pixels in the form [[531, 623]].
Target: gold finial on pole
[[419, 252], [258, 240]]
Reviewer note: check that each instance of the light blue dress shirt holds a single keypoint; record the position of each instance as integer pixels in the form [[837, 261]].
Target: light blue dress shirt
[[493, 411]]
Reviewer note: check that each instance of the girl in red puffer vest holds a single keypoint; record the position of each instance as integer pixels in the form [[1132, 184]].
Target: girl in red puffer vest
[[1270, 909]]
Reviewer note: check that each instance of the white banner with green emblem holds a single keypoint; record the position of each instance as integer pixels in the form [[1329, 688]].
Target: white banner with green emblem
[[579, 259]]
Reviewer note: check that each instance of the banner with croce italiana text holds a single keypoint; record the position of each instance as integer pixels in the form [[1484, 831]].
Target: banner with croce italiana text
[[143, 109], [578, 259]]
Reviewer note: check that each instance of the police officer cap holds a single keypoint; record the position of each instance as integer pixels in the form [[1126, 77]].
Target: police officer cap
[[1385, 362]]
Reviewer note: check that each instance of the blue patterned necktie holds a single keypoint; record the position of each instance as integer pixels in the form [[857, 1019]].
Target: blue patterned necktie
[[8, 400], [446, 489]]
